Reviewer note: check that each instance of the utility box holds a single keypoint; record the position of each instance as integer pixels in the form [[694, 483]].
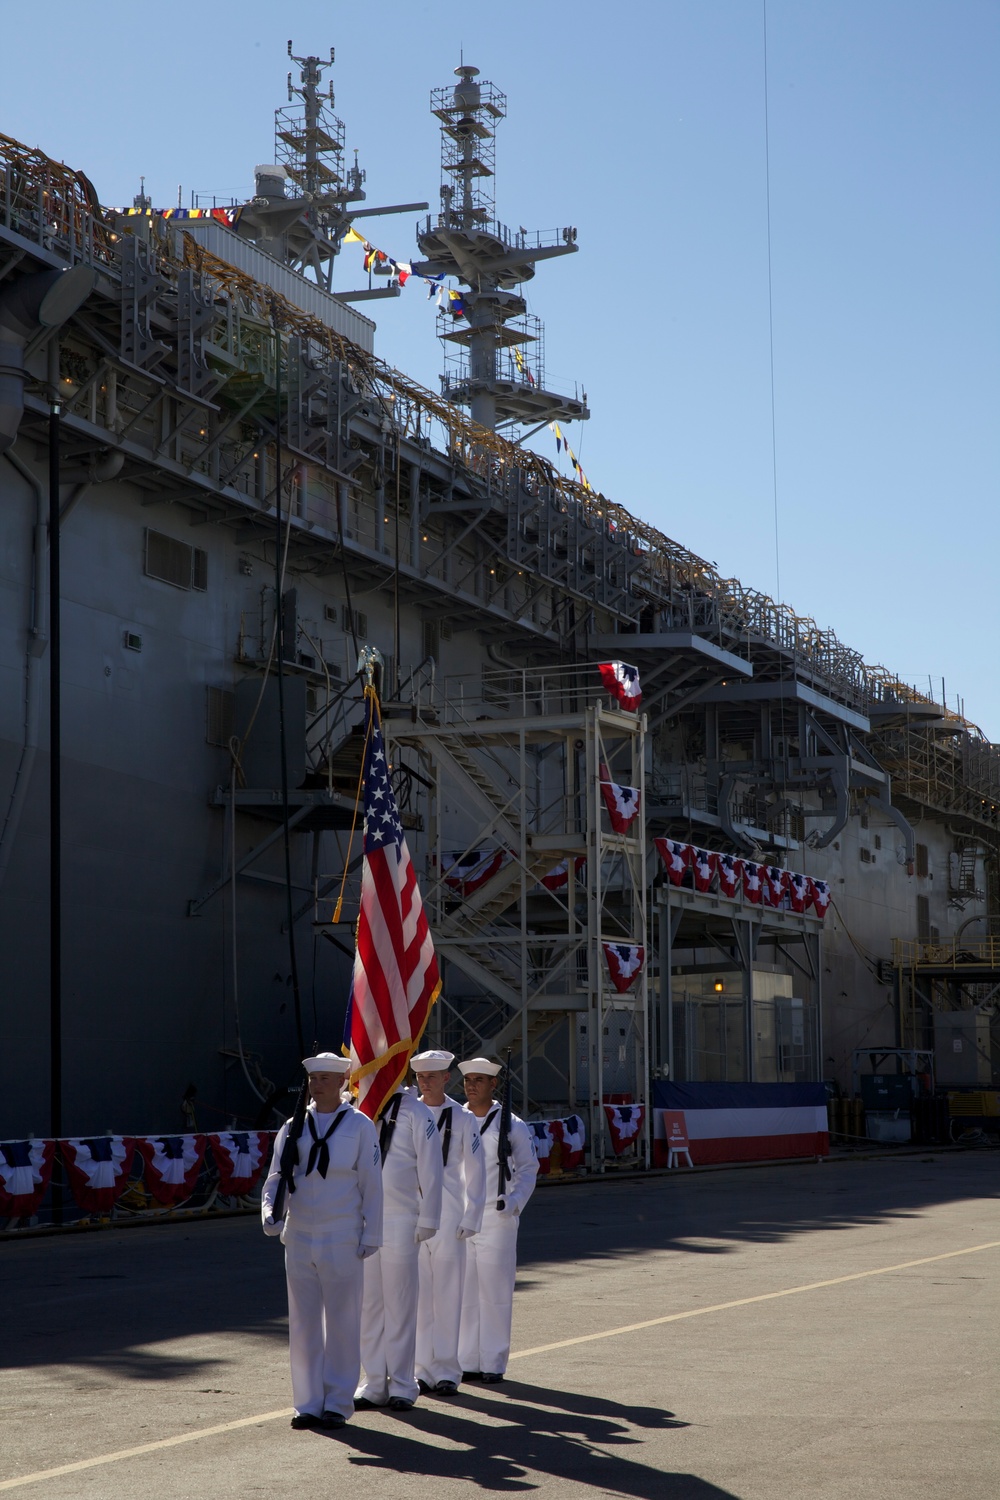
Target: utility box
[[886, 1092], [891, 1130], [258, 727], [962, 1048]]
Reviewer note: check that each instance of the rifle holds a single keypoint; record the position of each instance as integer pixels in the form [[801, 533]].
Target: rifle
[[503, 1144], [290, 1152]]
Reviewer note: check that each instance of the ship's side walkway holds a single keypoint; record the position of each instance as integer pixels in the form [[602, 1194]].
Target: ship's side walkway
[[793, 1333]]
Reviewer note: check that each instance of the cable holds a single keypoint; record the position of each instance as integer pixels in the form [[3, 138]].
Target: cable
[[279, 605], [232, 929]]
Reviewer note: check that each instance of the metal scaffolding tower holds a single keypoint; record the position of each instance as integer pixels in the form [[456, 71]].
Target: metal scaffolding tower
[[467, 241], [510, 766]]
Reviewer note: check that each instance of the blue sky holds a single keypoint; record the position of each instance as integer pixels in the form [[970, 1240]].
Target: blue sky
[[647, 132]]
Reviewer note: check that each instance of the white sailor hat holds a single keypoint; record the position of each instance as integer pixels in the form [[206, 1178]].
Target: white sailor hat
[[327, 1062], [479, 1065], [431, 1062]]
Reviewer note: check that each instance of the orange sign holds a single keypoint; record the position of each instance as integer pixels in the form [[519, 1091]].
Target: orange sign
[[675, 1126]]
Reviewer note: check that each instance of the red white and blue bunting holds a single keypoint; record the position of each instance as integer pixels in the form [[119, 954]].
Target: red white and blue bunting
[[625, 961], [624, 1125], [98, 1168], [763, 885], [465, 872], [622, 681], [173, 1163], [241, 1156], [558, 877], [25, 1169], [569, 1134], [622, 802]]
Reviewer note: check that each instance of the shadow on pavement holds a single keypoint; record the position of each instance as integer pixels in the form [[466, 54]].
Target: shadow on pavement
[[512, 1442], [120, 1302]]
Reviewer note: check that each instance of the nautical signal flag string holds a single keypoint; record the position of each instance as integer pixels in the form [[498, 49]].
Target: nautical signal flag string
[[562, 442], [401, 269]]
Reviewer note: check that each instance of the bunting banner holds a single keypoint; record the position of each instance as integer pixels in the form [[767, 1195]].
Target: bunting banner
[[625, 963], [464, 872], [98, 1168], [820, 896], [558, 877], [622, 802], [25, 1170], [241, 1156], [624, 1124], [172, 1164], [729, 870], [774, 885], [571, 1133], [622, 682], [541, 1139], [798, 891], [753, 878], [703, 863], [676, 857]]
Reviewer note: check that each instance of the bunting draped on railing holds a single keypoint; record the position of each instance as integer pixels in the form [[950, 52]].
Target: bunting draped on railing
[[622, 802], [241, 1156], [625, 961], [25, 1169], [98, 1169], [569, 1135], [763, 885], [621, 680], [172, 1165], [464, 872], [558, 877], [624, 1124]]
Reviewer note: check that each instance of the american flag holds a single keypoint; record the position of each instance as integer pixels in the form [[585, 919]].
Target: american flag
[[395, 971]]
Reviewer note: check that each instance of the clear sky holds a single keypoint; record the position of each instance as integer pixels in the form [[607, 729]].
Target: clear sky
[[644, 126]]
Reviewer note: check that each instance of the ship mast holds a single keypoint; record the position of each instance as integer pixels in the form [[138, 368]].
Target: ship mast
[[495, 351]]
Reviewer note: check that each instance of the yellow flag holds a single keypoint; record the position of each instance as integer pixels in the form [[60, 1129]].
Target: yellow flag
[[353, 235]]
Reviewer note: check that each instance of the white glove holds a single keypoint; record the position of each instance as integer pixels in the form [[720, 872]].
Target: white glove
[[509, 1209], [271, 1228], [365, 1250], [422, 1233], [464, 1234]]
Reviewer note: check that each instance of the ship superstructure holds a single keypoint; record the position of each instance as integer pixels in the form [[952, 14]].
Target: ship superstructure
[[239, 468], [496, 368]]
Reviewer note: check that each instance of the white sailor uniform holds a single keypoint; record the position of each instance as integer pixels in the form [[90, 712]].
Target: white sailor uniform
[[328, 1220], [491, 1261], [442, 1259], [411, 1183]]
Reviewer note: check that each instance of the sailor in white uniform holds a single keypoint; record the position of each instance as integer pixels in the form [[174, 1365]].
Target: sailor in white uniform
[[328, 1225], [491, 1260], [411, 1184], [442, 1259]]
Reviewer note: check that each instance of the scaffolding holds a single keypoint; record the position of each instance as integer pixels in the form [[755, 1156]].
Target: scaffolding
[[508, 767]]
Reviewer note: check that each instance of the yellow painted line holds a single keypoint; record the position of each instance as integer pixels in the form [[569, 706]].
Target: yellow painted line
[[155, 1447], [791, 1291], [586, 1338]]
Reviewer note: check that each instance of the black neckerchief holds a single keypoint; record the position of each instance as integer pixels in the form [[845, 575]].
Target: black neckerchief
[[445, 1121], [489, 1119], [388, 1126], [319, 1151]]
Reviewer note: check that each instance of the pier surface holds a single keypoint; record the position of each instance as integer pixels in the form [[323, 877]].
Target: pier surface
[[784, 1333]]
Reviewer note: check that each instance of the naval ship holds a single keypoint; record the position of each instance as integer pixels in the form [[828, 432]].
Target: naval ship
[[249, 509]]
